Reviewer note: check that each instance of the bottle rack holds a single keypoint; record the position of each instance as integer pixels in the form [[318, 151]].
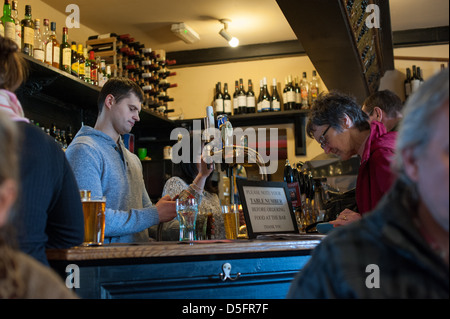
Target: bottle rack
[[108, 49]]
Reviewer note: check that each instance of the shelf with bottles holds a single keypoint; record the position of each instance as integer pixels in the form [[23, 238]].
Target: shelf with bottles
[[107, 49]]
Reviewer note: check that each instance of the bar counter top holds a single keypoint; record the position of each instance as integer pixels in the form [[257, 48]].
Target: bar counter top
[[176, 249]]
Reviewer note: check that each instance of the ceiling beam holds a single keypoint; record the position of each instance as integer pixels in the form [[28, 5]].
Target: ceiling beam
[[405, 38]]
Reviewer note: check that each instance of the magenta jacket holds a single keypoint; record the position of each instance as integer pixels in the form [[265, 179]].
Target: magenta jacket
[[375, 176]]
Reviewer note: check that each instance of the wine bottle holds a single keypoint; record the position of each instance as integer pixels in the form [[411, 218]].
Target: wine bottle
[[15, 16], [242, 98], [419, 74], [226, 100], [275, 103], [314, 87], [265, 102], [415, 80], [66, 52], [285, 106], [304, 89], [407, 83], [27, 26], [261, 93], [298, 95], [38, 49], [251, 99], [8, 21], [235, 98], [290, 95], [218, 99]]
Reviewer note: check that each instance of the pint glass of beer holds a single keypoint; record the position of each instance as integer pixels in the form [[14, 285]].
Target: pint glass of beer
[[230, 214], [94, 219]]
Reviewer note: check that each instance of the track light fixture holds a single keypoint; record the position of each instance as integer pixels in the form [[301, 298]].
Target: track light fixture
[[232, 41]]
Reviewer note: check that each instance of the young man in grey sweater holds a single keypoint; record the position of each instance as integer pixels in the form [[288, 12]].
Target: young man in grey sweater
[[103, 165]]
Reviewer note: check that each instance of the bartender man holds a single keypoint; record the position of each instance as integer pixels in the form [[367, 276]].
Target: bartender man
[[103, 165]]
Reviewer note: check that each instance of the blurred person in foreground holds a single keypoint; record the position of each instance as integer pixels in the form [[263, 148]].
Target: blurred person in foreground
[[385, 107], [48, 211], [20, 275], [339, 125], [102, 164], [400, 250]]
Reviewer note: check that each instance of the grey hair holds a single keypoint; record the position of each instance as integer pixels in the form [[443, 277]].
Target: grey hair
[[418, 117]]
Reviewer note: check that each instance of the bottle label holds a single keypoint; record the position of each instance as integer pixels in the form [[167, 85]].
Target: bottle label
[[10, 31], [276, 105], [19, 36], [75, 68], [314, 92], [219, 105], [87, 72], [56, 53], [94, 75], [39, 54], [251, 101], [290, 96], [82, 69], [227, 106], [415, 85], [408, 89], [49, 52], [28, 35], [235, 103], [242, 100], [66, 57], [265, 105]]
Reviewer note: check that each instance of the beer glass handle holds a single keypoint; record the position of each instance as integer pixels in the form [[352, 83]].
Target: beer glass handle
[[227, 273]]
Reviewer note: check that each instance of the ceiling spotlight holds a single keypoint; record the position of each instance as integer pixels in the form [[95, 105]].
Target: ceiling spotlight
[[232, 41]]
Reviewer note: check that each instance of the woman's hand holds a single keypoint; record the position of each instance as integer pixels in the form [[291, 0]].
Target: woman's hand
[[347, 216]]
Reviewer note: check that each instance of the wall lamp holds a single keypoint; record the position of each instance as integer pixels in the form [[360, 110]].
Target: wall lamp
[[232, 41]]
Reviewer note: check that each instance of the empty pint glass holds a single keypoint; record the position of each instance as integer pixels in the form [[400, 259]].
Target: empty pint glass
[[94, 218]]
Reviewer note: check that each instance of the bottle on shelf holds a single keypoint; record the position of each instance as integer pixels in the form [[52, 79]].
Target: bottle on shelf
[[74, 59], [419, 74], [15, 15], [235, 98], [265, 101], [290, 95], [81, 62], [66, 52], [314, 87], [38, 49], [285, 106], [407, 83], [87, 67], [304, 89], [251, 98], [298, 95], [218, 100], [9, 24], [275, 101], [415, 80], [226, 100], [53, 47], [242, 98], [94, 68], [27, 30], [260, 96]]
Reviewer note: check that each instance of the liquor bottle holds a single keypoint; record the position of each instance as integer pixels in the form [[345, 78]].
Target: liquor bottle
[[419, 74], [66, 52], [74, 59], [285, 106], [265, 101], [27, 30], [288, 175], [8, 21], [235, 98], [15, 15], [218, 99], [94, 68], [87, 67], [276, 103], [290, 95], [38, 49], [261, 93], [54, 47], [226, 100], [415, 80], [304, 89], [242, 98], [251, 98], [314, 87], [298, 95], [407, 83], [81, 62]]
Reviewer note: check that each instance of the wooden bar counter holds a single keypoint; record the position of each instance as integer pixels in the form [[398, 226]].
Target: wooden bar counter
[[251, 269]]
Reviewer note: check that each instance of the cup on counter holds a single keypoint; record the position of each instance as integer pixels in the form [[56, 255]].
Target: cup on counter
[[230, 214], [203, 224], [187, 211], [94, 218], [142, 153]]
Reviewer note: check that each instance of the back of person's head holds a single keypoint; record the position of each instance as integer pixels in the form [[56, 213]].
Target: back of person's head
[[120, 88], [12, 66], [386, 100], [419, 116], [331, 109]]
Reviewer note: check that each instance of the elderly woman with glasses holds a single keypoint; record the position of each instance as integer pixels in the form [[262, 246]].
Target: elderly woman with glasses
[[337, 122]]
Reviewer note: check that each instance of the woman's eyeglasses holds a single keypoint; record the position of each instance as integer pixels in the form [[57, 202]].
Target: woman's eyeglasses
[[322, 139]]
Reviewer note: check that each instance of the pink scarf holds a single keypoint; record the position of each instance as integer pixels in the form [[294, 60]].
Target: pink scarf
[[11, 105]]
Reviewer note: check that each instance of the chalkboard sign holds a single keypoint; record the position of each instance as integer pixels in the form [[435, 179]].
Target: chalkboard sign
[[267, 208]]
